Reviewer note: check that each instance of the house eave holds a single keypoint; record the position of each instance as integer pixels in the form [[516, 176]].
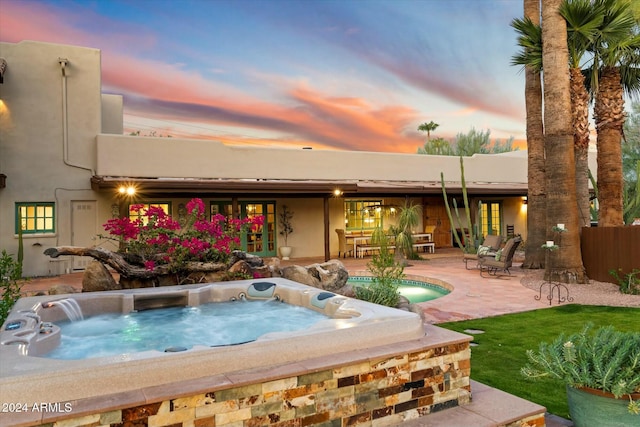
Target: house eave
[[299, 187]]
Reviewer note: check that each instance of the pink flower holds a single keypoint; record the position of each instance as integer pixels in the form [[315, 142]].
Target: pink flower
[[196, 207], [149, 265]]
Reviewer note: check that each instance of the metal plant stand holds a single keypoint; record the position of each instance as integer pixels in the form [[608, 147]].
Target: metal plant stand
[[553, 286]]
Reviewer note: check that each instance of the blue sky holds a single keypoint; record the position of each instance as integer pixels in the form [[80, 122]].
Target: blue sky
[[348, 75]]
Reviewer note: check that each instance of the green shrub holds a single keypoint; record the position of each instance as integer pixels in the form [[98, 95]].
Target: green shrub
[[10, 274], [386, 275], [605, 359], [630, 283]]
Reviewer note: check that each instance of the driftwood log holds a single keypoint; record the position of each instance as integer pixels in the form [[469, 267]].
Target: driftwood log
[[119, 263]]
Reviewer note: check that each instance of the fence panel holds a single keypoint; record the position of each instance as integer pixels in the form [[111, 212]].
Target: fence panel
[[610, 248]]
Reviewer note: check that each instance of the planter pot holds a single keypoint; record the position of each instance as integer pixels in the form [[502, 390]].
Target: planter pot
[[285, 251], [595, 408]]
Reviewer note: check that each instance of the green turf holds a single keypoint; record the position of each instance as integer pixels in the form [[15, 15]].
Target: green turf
[[500, 353]]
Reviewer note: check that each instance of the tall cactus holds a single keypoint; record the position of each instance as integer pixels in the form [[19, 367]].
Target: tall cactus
[[469, 244]]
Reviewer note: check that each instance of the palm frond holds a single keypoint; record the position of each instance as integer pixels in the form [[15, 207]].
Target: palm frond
[[530, 40]]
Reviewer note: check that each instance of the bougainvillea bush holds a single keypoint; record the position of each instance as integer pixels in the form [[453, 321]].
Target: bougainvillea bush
[[155, 238]]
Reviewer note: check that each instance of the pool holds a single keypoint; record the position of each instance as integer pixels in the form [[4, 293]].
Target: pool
[[415, 289]]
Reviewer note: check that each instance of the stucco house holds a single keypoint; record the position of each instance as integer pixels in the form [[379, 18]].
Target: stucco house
[[67, 165]]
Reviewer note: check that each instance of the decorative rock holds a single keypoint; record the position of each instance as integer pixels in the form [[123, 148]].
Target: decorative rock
[[98, 278], [241, 267], [330, 276], [61, 289]]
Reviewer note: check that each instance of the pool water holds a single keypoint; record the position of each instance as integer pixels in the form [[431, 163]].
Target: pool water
[[414, 290], [179, 328]]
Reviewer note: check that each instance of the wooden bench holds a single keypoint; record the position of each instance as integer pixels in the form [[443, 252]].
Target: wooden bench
[[426, 246], [362, 249]]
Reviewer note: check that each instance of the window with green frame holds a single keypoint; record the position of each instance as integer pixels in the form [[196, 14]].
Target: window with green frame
[[133, 214], [222, 208], [362, 214], [35, 217], [491, 214]]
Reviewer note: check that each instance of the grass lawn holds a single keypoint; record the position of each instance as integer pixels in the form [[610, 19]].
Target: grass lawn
[[500, 353]]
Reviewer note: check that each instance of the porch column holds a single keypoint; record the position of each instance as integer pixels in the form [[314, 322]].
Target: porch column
[[327, 252]]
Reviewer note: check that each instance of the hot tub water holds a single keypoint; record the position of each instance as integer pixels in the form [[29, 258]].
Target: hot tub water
[[179, 328]]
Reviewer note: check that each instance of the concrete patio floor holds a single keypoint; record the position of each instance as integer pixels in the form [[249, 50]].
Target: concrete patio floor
[[472, 297]]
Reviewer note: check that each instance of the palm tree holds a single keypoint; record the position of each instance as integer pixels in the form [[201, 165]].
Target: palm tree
[[615, 50], [428, 127], [564, 265], [583, 22], [531, 41]]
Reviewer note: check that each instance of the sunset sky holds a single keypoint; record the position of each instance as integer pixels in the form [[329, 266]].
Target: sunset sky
[[328, 74]]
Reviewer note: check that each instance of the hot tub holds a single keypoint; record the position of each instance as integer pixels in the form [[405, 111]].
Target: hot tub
[[31, 331]]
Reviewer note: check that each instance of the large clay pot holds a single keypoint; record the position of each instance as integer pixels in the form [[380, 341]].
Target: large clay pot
[[285, 251], [594, 408]]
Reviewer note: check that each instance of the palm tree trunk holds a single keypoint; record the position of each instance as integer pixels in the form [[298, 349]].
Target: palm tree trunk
[[580, 115], [537, 197], [609, 115], [564, 265]]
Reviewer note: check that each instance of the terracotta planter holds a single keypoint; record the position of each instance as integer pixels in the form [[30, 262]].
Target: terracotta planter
[[595, 408]]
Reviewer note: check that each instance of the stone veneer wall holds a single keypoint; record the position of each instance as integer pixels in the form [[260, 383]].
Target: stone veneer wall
[[380, 391]]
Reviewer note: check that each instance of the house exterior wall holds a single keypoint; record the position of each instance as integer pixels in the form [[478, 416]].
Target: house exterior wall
[[112, 113], [49, 153], [120, 155], [40, 165]]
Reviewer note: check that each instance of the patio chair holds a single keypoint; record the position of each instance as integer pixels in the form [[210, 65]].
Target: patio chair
[[493, 265], [342, 243], [491, 241]]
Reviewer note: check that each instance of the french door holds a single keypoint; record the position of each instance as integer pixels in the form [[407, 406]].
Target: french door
[[262, 240], [491, 214]]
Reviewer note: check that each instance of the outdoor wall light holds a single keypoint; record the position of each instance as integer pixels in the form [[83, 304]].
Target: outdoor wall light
[[524, 200], [337, 192], [128, 190]]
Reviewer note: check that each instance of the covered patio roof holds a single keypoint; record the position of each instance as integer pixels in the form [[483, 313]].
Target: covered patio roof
[[348, 188]]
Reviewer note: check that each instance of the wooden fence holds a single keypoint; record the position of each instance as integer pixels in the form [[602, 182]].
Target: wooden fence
[[610, 248]]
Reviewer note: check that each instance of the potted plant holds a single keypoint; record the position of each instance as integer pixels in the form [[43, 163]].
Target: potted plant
[[601, 370], [284, 221]]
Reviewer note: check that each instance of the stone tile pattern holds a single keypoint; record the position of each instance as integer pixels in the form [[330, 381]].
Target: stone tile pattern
[[381, 392]]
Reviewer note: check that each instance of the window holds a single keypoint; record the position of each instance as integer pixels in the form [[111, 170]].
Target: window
[[135, 214], [38, 217], [223, 208], [362, 214], [490, 213]]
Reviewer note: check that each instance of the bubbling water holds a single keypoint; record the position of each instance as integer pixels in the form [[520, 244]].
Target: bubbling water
[[179, 328]]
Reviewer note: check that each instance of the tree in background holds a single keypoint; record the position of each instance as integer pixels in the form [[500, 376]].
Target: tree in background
[[617, 57], [631, 165], [584, 20], [473, 142], [428, 127]]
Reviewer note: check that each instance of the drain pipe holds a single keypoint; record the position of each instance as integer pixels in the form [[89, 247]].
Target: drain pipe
[[65, 119]]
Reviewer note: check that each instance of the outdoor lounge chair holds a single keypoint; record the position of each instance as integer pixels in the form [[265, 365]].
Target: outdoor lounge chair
[[492, 241], [492, 266], [342, 243]]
